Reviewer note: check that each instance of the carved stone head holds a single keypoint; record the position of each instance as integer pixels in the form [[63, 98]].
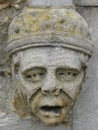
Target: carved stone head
[[49, 50]]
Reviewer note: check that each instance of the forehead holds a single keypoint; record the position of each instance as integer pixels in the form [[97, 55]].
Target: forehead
[[49, 57]]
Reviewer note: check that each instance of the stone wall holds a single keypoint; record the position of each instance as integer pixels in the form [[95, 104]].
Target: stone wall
[[86, 2], [86, 108], [85, 113]]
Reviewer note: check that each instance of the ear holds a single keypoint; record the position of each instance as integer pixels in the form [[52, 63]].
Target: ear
[[20, 104]]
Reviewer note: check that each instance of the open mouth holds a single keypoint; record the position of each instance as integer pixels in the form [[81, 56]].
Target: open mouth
[[54, 109]]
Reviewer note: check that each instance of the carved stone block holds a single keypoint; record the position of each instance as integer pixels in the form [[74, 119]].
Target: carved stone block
[[86, 2], [48, 52]]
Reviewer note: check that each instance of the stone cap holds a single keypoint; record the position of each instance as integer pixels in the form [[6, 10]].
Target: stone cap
[[50, 3], [49, 27]]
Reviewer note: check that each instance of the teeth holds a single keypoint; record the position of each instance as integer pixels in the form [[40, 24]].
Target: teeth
[[47, 114]]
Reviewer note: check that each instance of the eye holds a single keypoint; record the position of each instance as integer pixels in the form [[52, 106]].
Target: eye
[[66, 74], [35, 74]]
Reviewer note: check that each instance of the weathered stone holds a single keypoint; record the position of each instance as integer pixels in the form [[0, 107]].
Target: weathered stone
[[91, 16], [49, 81], [86, 108], [50, 3], [13, 122], [56, 25], [86, 2]]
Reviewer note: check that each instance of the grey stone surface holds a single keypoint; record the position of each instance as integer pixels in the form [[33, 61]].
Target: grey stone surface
[[86, 109], [86, 2], [13, 122], [44, 3]]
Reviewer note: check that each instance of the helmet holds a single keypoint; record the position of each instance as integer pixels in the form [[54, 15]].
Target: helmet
[[49, 27]]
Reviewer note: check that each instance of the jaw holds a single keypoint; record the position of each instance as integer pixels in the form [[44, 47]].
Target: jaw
[[51, 110]]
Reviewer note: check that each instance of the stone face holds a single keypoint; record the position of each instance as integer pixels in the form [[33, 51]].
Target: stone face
[[86, 2], [48, 71], [46, 84], [48, 78], [86, 108]]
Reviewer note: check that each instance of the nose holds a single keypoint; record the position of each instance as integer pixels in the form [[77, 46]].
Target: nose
[[50, 85]]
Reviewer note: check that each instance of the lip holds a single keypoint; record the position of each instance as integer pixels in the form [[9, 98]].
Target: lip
[[51, 111]]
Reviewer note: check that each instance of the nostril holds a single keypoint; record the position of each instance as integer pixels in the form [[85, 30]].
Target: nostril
[[54, 91], [45, 92]]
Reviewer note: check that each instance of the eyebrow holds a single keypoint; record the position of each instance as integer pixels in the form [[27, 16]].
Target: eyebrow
[[58, 67], [30, 68], [70, 68]]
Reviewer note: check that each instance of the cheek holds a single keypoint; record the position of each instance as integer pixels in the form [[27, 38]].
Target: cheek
[[72, 88], [29, 87]]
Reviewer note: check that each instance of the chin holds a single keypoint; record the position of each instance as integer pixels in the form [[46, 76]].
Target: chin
[[52, 121], [51, 118]]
